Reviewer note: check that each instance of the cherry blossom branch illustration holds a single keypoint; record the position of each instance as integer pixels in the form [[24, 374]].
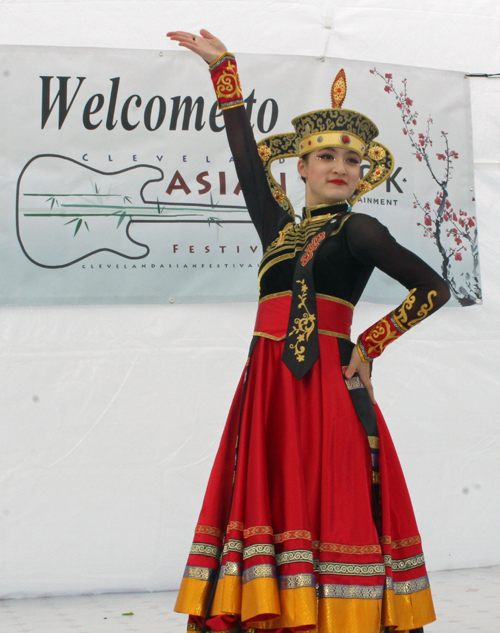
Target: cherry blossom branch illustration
[[454, 233]]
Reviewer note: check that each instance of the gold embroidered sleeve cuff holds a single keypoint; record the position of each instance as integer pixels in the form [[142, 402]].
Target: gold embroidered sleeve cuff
[[226, 81], [375, 339]]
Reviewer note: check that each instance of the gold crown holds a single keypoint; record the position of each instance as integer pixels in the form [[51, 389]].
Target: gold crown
[[335, 127]]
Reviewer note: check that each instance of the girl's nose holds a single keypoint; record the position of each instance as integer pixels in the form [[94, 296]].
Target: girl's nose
[[339, 166]]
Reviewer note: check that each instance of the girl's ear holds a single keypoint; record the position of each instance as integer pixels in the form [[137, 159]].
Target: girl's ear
[[302, 167]]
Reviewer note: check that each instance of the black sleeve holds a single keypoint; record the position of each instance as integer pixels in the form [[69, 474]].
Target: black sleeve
[[267, 215], [371, 243]]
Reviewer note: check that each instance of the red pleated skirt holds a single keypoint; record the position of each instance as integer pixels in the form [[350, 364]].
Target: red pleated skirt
[[289, 508]]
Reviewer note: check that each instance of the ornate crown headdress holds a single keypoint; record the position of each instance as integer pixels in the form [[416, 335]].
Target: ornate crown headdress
[[329, 128]]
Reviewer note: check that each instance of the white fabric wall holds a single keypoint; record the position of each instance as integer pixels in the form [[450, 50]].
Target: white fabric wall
[[110, 416]]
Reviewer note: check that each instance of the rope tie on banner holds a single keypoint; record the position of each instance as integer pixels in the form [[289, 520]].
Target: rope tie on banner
[[487, 75]]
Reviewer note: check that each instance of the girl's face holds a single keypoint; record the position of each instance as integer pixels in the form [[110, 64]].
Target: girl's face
[[331, 175]]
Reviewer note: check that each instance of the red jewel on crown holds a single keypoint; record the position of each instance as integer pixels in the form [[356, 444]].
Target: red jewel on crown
[[345, 139]]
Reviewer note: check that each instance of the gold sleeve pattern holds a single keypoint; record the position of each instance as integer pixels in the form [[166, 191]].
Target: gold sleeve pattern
[[226, 81], [376, 338]]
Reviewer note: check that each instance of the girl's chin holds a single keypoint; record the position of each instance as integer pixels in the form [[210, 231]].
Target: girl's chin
[[334, 199]]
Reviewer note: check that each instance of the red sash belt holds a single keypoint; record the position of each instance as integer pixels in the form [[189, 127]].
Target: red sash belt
[[334, 317]]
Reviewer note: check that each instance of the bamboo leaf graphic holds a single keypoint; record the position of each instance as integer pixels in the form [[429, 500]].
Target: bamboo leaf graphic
[[127, 199], [53, 200], [70, 221], [87, 226], [212, 203], [123, 215], [214, 220], [78, 225]]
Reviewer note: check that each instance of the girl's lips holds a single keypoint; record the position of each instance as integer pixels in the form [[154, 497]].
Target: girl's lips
[[338, 182]]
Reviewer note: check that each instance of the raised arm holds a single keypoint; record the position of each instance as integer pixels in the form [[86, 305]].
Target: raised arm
[[266, 214]]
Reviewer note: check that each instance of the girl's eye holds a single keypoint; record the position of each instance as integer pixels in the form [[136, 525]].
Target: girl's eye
[[327, 156], [353, 161]]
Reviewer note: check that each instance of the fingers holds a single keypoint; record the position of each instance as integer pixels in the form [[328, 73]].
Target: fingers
[[354, 362], [363, 370], [181, 37], [364, 376], [207, 35], [175, 35], [350, 370]]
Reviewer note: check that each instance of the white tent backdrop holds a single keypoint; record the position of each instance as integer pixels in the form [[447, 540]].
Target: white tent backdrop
[[111, 415]]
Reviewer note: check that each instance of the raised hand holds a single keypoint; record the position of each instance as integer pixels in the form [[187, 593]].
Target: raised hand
[[206, 45]]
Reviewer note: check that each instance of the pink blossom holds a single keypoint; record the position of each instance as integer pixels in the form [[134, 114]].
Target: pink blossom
[[427, 221], [387, 89], [419, 156], [448, 204], [404, 131], [372, 72], [438, 200], [446, 217], [471, 222], [458, 257], [441, 156], [388, 76], [399, 104], [408, 101]]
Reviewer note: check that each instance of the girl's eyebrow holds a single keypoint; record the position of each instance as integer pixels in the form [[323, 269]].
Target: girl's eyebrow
[[334, 149]]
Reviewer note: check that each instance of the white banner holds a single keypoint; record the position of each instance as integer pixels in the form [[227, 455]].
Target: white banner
[[118, 186]]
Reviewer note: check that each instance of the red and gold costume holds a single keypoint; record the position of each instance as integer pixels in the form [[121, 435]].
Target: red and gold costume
[[307, 524]]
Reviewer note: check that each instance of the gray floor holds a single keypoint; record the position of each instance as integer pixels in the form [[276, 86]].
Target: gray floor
[[465, 600]]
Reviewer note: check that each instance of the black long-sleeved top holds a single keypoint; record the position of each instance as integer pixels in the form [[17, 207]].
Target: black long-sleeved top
[[345, 261]]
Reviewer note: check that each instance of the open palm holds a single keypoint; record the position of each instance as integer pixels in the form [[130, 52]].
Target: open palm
[[206, 45]]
